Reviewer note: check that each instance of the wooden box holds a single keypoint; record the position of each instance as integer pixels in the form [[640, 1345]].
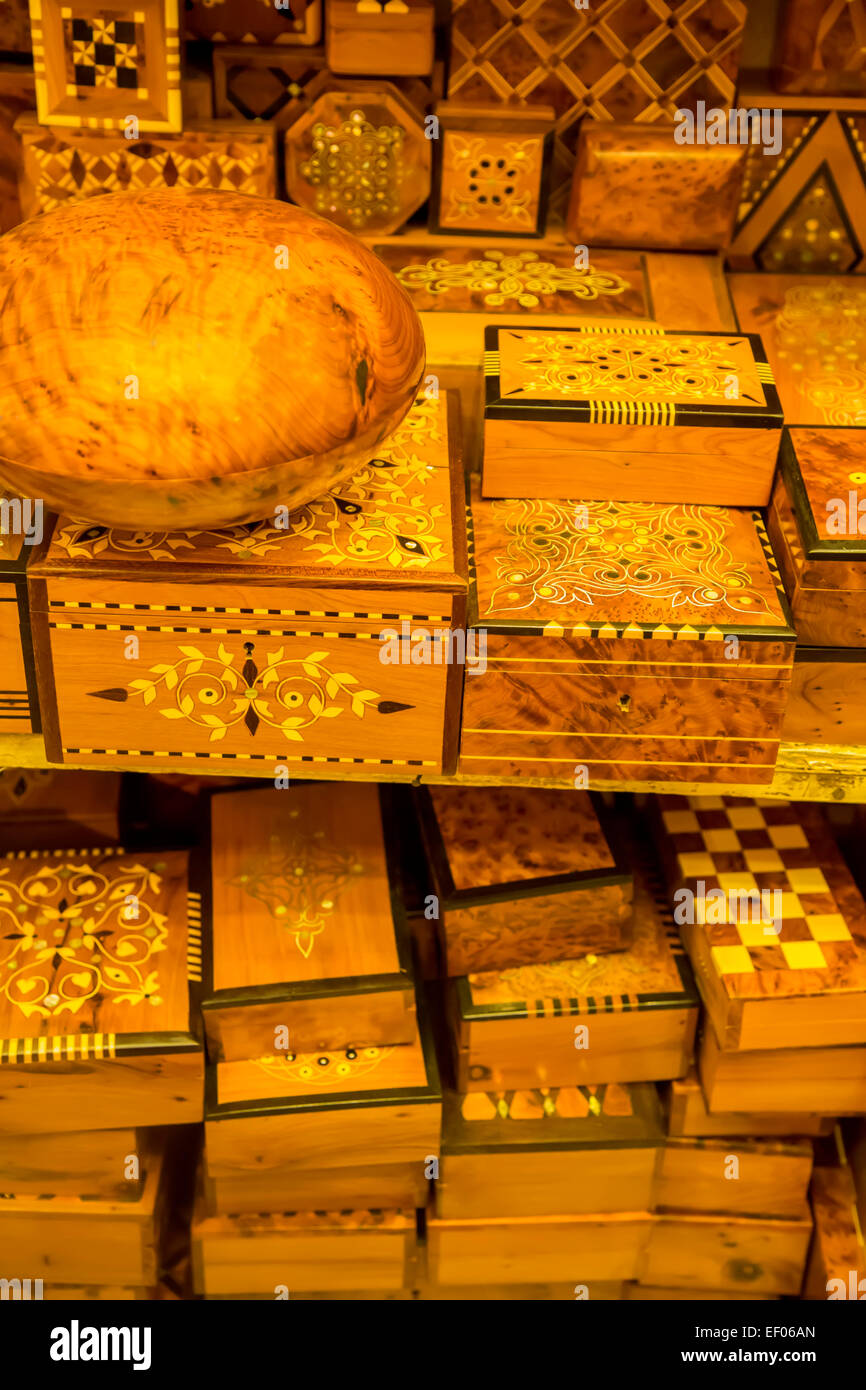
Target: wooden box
[[820, 47], [820, 1080], [269, 645], [827, 704], [602, 671], [249, 22], [308, 951], [62, 166], [633, 185], [522, 876], [758, 1254], [537, 1249], [96, 65], [742, 1177], [19, 707], [817, 525], [264, 82], [96, 1162], [773, 922], [629, 1016], [302, 1250], [373, 37], [15, 27], [635, 415], [837, 1260], [491, 170], [563, 1152], [42, 807], [687, 1115], [99, 1019]]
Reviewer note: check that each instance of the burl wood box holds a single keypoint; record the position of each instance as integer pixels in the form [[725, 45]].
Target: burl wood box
[[560, 1152], [837, 1260], [309, 947], [822, 1080], [19, 705], [756, 1254], [745, 1177], [772, 919], [817, 524], [628, 1016], [320, 1126], [687, 1115], [636, 414], [99, 1005], [268, 644], [44, 807], [537, 1249], [624, 640], [523, 876]]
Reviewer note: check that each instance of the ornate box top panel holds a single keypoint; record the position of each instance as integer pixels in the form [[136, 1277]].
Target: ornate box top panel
[[642, 376], [513, 837], [300, 888], [653, 974], [611, 1116], [814, 331], [100, 951], [634, 569], [465, 279], [394, 519], [825, 471], [808, 940]]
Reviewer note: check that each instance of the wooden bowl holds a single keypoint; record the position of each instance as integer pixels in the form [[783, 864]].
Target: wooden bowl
[[187, 359]]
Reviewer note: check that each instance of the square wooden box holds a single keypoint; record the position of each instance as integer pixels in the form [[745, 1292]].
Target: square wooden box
[[629, 1016], [99, 1017], [19, 705], [490, 175], [96, 65], [743, 1177], [537, 1249], [782, 1080], [827, 704], [306, 933], [263, 646], [522, 876], [637, 415], [687, 1116], [374, 38], [755, 1254], [535, 1153], [817, 524], [782, 971], [598, 663]]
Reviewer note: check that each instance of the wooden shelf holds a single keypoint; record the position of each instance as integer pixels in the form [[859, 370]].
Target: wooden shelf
[[803, 773]]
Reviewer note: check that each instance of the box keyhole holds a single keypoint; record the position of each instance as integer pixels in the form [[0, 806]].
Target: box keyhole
[[624, 703]]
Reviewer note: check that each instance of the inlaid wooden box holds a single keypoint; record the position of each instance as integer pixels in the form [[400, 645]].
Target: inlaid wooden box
[[772, 919], [603, 669], [268, 645], [743, 1177], [820, 1080], [758, 1254], [565, 1152], [827, 704], [817, 524], [19, 706], [636, 415], [43, 807], [309, 952], [394, 37], [537, 1249], [99, 1017], [490, 176], [522, 876], [629, 1016], [687, 1115]]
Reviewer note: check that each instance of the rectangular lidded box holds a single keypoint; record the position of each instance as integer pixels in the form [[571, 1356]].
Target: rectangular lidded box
[[306, 934], [522, 875], [630, 413], [624, 640], [263, 644], [687, 1116], [99, 1015]]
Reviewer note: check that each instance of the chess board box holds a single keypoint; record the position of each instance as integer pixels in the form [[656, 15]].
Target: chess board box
[[772, 919], [523, 875], [44, 807], [601, 665], [636, 414], [261, 645], [100, 1025], [309, 945], [817, 525], [19, 702]]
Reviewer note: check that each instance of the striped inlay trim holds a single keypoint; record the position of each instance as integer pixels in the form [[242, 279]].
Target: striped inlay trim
[[273, 758], [160, 608], [632, 412], [193, 937], [59, 1048]]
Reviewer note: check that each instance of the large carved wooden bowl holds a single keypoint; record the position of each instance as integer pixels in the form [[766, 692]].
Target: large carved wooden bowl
[[190, 359]]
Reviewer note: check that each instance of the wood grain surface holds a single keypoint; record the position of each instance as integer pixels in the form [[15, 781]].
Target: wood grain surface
[[523, 1250], [820, 1080], [758, 1254], [770, 1178], [69, 1165], [688, 1116], [837, 1248]]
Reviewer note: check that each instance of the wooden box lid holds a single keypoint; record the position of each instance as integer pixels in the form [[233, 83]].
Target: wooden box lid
[[635, 376], [494, 844], [100, 955], [823, 468], [301, 899], [568, 1117], [623, 569]]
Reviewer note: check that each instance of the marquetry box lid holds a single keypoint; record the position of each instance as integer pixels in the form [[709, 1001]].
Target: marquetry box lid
[[785, 965], [100, 971], [306, 933]]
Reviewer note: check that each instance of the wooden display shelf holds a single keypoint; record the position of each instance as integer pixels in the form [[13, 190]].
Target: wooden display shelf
[[830, 772]]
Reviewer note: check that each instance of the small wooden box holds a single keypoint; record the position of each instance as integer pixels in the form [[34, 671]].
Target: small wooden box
[[261, 645], [95, 1162], [563, 1152], [687, 1115], [629, 1016], [19, 706], [743, 1177], [99, 1017], [538, 1250], [602, 669], [637, 414], [491, 167], [523, 876], [821, 1080], [820, 47], [817, 524], [249, 22], [773, 922], [760, 1254], [837, 1260], [305, 936], [372, 37]]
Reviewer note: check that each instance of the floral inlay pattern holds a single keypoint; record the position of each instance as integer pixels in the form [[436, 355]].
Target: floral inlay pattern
[[496, 178], [324, 1068], [821, 340], [581, 365], [76, 930], [503, 275], [300, 880]]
